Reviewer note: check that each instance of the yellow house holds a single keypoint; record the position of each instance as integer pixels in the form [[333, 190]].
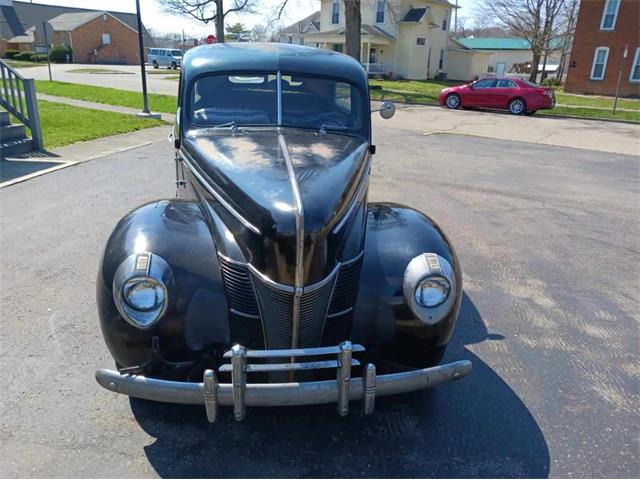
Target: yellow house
[[401, 38]]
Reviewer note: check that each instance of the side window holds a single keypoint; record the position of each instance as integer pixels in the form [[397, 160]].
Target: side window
[[380, 11], [421, 41], [445, 21], [335, 12], [599, 63], [502, 83], [610, 15], [486, 83], [635, 67]]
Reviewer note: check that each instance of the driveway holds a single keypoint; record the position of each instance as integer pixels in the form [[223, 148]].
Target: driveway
[[548, 239]]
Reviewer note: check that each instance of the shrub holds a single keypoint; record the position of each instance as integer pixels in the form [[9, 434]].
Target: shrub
[[11, 54], [551, 82], [39, 57], [59, 54], [25, 56]]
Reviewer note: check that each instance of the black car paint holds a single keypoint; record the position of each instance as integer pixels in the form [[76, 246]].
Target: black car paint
[[244, 167]]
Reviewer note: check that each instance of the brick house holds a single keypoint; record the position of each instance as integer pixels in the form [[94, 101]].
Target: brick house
[[21, 28], [605, 30], [96, 37]]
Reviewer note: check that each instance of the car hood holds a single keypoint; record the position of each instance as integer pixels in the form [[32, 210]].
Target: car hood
[[267, 175]]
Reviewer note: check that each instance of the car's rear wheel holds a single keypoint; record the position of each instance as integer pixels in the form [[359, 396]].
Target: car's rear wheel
[[452, 101], [517, 106], [155, 64]]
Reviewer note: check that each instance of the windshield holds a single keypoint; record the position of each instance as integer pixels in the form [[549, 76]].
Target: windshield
[[252, 99]]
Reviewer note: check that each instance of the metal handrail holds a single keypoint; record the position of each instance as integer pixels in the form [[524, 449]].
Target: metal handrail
[[18, 97]]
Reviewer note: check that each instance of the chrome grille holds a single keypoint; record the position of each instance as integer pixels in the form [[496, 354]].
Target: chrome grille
[[255, 302], [244, 316]]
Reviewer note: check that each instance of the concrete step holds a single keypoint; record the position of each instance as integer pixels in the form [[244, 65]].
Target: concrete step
[[14, 131], [11, 148], [4, 118]]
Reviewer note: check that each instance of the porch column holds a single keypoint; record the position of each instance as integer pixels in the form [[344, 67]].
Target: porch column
[[368, 56]]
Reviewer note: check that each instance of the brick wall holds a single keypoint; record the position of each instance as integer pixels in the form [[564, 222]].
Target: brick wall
[[589, 37], [86, 42]]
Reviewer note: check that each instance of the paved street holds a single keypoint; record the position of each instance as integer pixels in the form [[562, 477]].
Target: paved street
[[549, 242], [125, 77]]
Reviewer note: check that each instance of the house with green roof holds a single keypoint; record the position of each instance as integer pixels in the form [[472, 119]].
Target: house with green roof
[[504, 53]]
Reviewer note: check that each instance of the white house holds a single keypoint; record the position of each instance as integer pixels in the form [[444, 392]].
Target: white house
[[402, 38]]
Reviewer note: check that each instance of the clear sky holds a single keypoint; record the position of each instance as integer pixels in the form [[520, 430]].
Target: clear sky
[[154, 17]]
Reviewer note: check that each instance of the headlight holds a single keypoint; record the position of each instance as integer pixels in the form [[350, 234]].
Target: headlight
[[139, 289], [432, 291], [429, 287], [143, 294]]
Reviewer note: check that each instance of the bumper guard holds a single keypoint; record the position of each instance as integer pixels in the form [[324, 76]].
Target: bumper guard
[[241, 394]]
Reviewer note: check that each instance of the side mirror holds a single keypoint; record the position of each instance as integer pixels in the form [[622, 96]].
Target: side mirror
[[388, 110]]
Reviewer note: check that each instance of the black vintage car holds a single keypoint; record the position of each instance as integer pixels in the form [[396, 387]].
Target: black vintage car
[[270, 280]]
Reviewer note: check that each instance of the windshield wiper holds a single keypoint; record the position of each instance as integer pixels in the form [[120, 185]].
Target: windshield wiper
[[336, 128], [232, 124]]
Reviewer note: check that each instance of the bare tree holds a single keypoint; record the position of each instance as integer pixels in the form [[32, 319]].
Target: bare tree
[[353, 22], [206, 11], [532, 20], [569, 18]]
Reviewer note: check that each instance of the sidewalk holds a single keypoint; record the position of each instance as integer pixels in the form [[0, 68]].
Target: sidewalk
[[167, 117], [58, 158]]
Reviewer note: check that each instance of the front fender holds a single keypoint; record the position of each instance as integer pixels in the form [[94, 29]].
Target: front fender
[[196, 315], [395, 235]]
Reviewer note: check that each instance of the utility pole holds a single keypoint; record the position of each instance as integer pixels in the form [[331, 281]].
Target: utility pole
[[46, 44], [145, 101], [624, 56]]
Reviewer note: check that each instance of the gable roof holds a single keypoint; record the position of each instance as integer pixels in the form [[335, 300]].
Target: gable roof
[[301, 26], [70, 21], [414, 15], [24, 15]]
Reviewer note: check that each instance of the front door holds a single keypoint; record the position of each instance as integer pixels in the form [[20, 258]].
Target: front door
[[500, 68]]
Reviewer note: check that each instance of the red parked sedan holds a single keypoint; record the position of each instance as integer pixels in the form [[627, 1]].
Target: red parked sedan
[[517, 96]]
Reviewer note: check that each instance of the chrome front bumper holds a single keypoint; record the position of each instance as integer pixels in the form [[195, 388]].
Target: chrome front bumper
[[241, 394]]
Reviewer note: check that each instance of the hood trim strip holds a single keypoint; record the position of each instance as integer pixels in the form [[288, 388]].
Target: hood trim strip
[[299, 214]]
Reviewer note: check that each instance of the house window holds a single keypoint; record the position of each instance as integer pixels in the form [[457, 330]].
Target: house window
[[337, 47], [421, 41], [335, 12], [635, 67], [380, 9], [106, 39], [610, 14], [445, 21], [441, 61], [599, 63]]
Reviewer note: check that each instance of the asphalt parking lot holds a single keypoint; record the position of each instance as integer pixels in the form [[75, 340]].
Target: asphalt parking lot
[[549, 242]]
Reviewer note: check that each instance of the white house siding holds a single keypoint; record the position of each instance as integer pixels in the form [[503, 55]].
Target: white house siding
[[464, 64]]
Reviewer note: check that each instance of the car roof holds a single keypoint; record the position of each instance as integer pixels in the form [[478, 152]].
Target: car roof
[[271, 57]]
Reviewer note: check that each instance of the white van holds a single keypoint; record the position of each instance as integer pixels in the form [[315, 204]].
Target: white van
[[164, 57]]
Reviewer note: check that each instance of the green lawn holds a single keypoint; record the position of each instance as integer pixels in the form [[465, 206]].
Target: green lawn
[[23, 63], [110, 96], [426, 91], [595, 101], [64, 124]]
